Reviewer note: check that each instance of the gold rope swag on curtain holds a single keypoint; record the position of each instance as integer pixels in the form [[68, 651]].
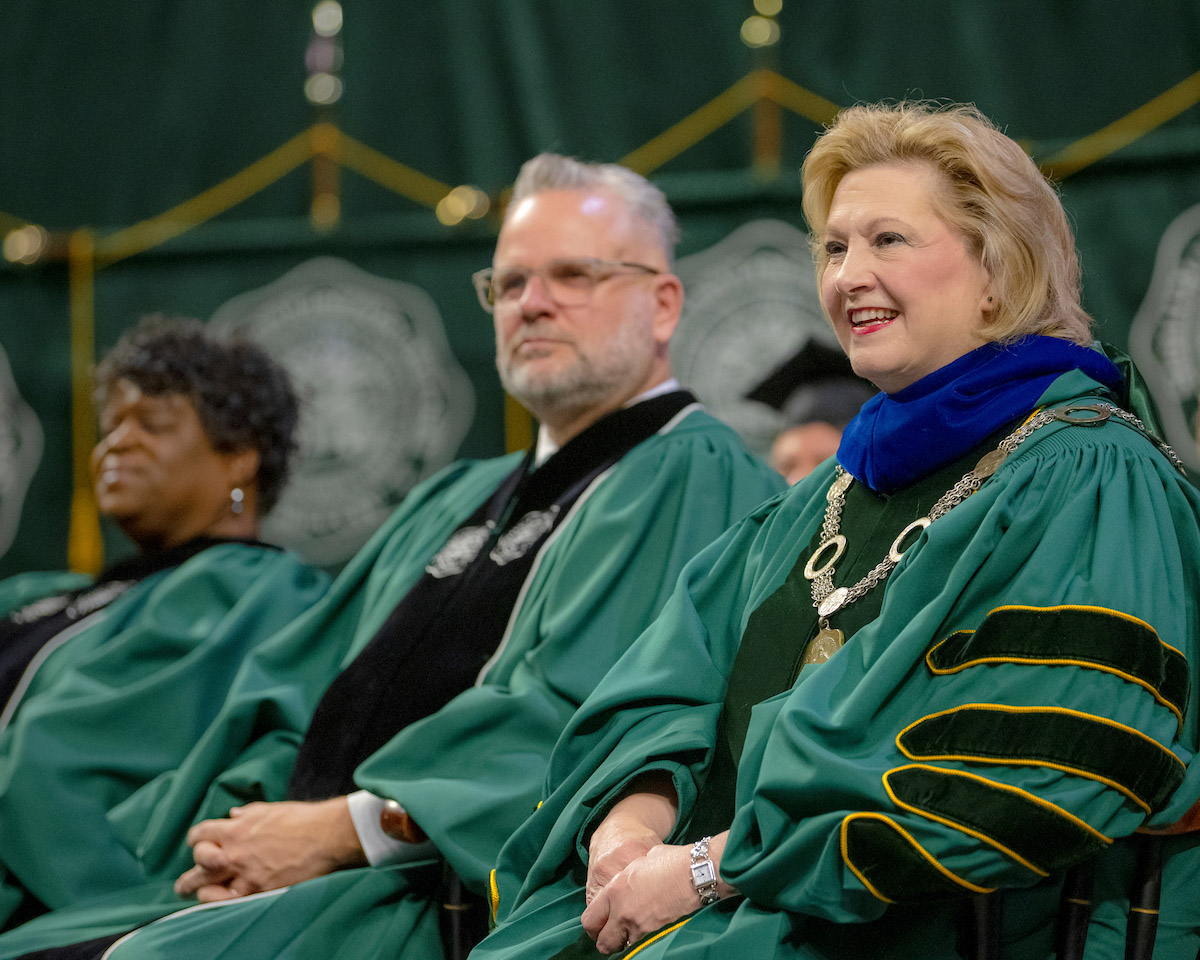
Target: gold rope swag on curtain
[[85, 550], [328, 147]]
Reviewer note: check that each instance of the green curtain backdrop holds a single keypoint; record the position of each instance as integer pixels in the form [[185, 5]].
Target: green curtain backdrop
[[111, 114]]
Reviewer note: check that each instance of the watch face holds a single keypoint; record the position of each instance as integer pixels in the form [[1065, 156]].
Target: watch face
[[703, 873]]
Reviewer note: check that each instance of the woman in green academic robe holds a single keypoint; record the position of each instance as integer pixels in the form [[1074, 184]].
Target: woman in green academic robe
[[106, 684], [931, 701]]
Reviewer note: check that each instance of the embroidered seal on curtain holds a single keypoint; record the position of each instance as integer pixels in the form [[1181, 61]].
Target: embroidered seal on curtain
[[20, 452], [1164, 339], [384, 402], [751, 303]]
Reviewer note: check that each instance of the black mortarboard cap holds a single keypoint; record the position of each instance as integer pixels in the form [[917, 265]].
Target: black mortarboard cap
[[816, 383]]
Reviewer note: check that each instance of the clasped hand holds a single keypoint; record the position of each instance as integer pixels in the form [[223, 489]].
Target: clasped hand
[[635, 882], [648, 893], [265, 846]]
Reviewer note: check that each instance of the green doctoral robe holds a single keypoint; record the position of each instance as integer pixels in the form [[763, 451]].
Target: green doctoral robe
[[122, 702], [1013, 700], [470, 773]]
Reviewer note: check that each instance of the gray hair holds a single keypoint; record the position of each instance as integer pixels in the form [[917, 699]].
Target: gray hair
[[553, 171]]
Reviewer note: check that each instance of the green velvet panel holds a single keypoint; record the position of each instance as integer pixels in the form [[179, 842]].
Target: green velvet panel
[[1048, 840], [1134, 764], [1088, 635], [892, 865]]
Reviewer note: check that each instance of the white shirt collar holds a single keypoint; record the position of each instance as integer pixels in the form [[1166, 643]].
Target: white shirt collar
[[546, 448]]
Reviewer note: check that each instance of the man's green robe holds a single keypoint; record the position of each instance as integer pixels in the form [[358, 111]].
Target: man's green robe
[[121, 702], [470, 773], [1007, 704]]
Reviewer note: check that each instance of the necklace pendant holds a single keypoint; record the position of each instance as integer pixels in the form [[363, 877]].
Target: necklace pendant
[[833, 603], [990, 463], [824, 645]]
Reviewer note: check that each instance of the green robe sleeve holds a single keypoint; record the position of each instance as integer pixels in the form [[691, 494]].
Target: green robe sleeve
[[471, 773], [125, 700]]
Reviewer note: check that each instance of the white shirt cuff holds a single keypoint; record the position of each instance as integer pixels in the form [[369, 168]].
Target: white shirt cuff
[[380, 849]]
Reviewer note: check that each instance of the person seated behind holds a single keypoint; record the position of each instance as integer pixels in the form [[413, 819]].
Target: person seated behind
[[960, 660], [107, 683], [464, 636], [817, 394], [800, 449]]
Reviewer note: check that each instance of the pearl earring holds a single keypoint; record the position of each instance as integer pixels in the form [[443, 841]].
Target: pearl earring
[[237, 497]]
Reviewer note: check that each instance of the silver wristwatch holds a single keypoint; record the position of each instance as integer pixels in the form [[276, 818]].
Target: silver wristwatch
[[704, 874]]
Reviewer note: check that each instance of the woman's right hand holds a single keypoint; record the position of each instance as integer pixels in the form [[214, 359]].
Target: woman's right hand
[[651, 892]]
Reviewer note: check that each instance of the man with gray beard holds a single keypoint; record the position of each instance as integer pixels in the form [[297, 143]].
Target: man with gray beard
[[462, 638]]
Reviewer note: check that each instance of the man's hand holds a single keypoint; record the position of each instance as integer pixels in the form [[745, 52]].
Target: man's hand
[[264, 846]]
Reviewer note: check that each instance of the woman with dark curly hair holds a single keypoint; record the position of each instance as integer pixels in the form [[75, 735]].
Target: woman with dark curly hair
[[105, 684], [243, 403], [224, 409]]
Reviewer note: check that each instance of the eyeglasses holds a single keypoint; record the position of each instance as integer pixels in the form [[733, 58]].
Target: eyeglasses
[[570, 281]]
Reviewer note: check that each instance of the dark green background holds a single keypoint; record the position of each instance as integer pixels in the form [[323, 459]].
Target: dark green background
[[112, 113]]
